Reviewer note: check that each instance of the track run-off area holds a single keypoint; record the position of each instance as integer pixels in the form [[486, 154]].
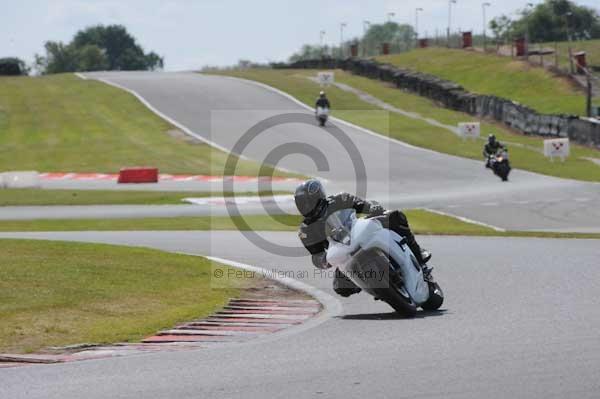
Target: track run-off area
[[520, 317]]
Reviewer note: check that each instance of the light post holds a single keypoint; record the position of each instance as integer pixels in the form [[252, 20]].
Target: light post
[[321, 37], [567, 16], [570, 50], [417, 25], [366, 26], [342, 26], [390, 15], [527, 13], [483, 6], [450, 2]]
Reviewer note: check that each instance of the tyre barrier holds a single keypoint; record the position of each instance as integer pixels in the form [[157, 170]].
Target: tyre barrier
[[138, 175], [451, 95]]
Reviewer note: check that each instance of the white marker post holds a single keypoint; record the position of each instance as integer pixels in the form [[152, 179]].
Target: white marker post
[[557, 148], [325, 78], [469, 130]]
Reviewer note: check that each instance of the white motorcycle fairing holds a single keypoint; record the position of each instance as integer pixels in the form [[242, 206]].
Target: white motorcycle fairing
[[322, 111], [369, 234]]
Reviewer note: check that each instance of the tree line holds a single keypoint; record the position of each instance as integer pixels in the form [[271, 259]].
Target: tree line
[[400, 37], [96, 48], [552, 20]]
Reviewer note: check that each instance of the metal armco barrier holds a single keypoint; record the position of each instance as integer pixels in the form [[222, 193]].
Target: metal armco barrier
[[451, 95]]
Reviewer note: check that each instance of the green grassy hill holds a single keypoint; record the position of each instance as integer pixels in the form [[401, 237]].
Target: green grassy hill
[[526, 151], [495, 75], [591, 47], [63, 123]]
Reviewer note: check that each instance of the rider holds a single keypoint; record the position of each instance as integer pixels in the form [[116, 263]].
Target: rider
[[316, 207], [322, 101], [491, 148]]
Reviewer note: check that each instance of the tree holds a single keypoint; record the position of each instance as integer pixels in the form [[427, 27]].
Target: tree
[[309, 52], [91, 58], [154, 61], [13, 66], [501, 27], [98, 48], [59, 58], [553, 20], [400, 37], [120, 47]]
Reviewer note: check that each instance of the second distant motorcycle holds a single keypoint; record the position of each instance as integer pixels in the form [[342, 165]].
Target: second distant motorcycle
[[322, 108], [499, 164], [322, 115]]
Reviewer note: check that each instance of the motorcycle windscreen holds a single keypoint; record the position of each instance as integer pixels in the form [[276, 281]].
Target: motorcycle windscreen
[[339, 226]]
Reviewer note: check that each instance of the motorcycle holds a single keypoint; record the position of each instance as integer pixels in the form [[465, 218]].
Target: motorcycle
[[499, 164], [322, 115], [379, 261]]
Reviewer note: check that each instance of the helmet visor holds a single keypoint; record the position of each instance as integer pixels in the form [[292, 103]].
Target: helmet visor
[[339, 226]]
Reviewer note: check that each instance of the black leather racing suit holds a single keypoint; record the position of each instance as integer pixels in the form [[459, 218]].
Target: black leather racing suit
[[492, 148], [313, 237], [322, 102]]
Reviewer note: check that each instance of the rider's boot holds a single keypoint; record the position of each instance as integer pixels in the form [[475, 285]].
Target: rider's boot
[[343, 286], [398, 222], [425, 256]]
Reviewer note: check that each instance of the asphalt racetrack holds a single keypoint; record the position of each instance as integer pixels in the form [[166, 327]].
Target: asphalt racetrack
[[223, 110], [521, 315], [520, 321]]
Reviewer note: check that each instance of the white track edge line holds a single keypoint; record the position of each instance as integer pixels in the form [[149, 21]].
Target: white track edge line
[[343, 122], [381, 136], [331, 306], [173, 122], [465, 219]]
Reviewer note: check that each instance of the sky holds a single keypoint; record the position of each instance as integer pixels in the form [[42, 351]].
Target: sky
[[192, 34]]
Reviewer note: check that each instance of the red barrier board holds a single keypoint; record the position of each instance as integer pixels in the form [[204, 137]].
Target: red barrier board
[[138, 175]]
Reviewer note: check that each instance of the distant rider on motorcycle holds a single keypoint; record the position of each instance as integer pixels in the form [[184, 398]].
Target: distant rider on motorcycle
[[316, 207], [322, 101], [491, 148]]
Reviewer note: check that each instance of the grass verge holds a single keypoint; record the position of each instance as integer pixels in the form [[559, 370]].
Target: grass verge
[[56, 293], [63, 123], [496, 75], [30, 197], [421, 221], [525, 151], [591, 48]]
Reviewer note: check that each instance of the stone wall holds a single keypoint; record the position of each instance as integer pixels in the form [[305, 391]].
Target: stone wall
[[452, 95]]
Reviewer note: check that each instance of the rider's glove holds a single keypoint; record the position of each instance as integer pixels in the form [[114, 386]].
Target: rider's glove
[[320, 260]]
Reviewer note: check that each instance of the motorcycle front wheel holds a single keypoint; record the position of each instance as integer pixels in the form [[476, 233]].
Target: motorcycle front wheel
[[436, 297], [396, 295]]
